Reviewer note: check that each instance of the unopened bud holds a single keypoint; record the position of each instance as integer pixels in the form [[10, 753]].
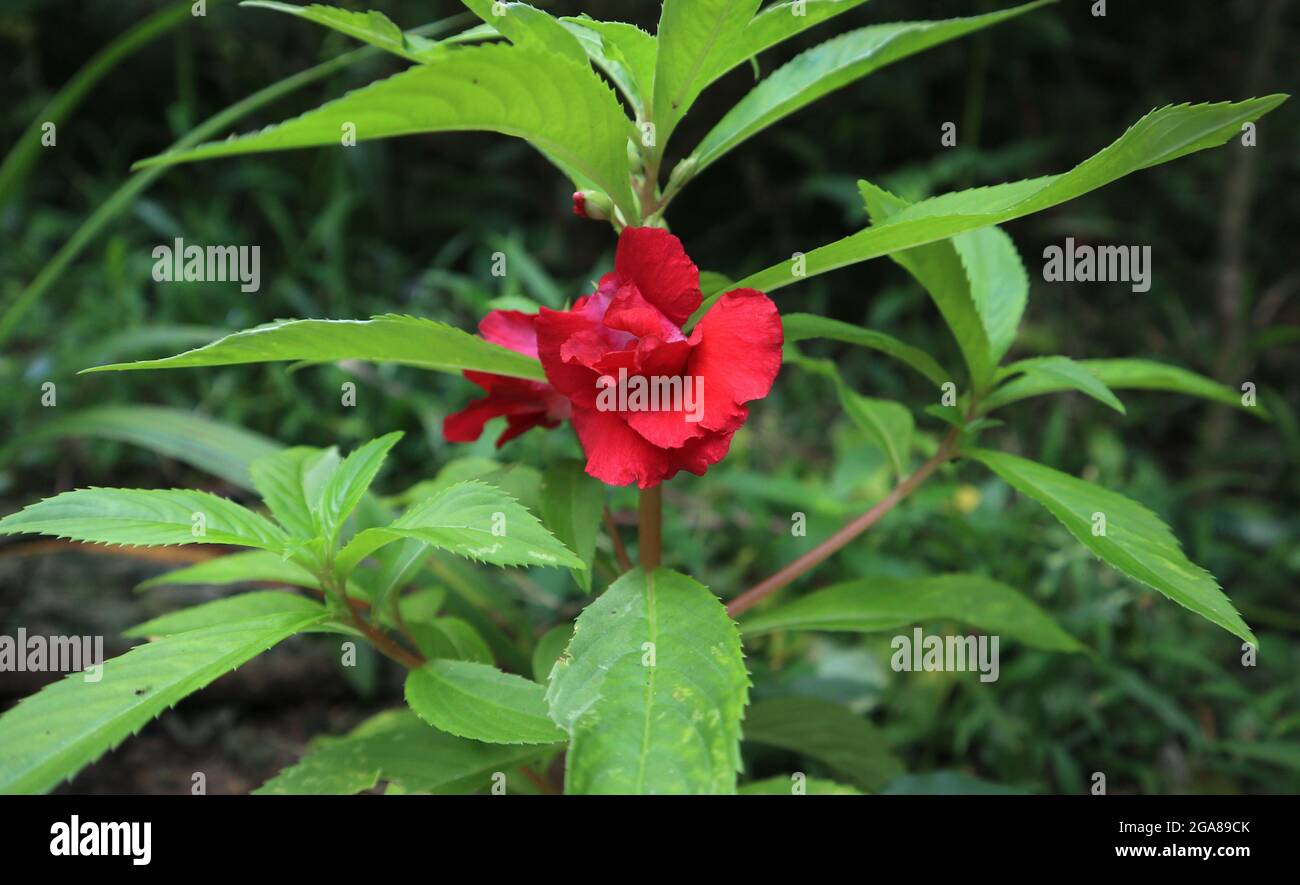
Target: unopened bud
[[592, 204], [682, 173]]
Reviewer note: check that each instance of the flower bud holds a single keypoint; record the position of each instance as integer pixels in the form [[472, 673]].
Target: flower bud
[[592, 204], [682, 173]]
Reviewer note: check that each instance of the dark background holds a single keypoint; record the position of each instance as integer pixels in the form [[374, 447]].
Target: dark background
[[409, 225]]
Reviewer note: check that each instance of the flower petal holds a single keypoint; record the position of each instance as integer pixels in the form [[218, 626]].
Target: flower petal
[[737, 351], [511, 328], [616, 454], [655, 260]]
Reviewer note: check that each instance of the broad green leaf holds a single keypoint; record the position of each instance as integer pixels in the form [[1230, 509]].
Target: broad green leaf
[[372, 27], [572, 504], [470, 519], [398, 748], [1126, 374], [481, 703], [290, 482], [786, 785], [219, 449], [254, 565], [777, 23], [52, 734], [408, 341], [452, 639], [1062, 371], [144, 518], [1162, 135], [830, 66], [526, 25], [819, 729], [888, 423], [564, 109], [550, 647], [694, 36], [346, 485], [872, 605], [1135, 541], [624, 52], [243, 607], [803, 326], [651, 690], [999, 286]]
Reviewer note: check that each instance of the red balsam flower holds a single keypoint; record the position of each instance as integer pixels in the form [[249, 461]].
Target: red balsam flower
[[627, 336]]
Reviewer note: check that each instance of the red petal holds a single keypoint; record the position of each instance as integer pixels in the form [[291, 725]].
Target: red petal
[[554, 330], [696, 456], [655, 260], [737, 353], [511, 328], [631, 312], [616, 454]]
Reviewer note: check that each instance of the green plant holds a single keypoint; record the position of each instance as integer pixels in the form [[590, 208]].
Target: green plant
[[649, 691]]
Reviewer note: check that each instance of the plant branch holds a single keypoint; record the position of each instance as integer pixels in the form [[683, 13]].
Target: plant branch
[[851, 530], [615, 538], [651, 522]]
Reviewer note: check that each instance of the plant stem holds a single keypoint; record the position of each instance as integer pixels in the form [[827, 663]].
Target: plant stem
[[615, 538], [851, 530], [652, 500]]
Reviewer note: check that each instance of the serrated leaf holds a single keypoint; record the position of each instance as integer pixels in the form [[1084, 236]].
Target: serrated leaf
[[804, 326], [470, 519], [1063, 371], [572, 504], [222, 450], [999, 285], [398, 748], [242, 607], [144, 517], [819, 729], [624, 52], [651, 690], [451, 639], [1162, 135], [481, 703], [562, 108], [833, 65], [785, 785], [1126, 374], [253, 565], [407, 341], [873, 605], [52, 734], [694, 36], [290, 482], [526, 25], [775, 24], [372, 27], [1135, 542], [549, 649], [347, 485]]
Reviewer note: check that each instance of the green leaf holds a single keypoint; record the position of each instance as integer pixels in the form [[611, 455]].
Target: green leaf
[[550, 647], [776, 24], [784, 785], [888, 423], [572, 504], [695, 36], [1162, 135], [563, 109], [1126, 374], [624, 52], [1135, 542], [803, 326], [242, 607], [830, 66], [146, 518], [451, 639], [348, 484], [398, 748], [52, 734], [526, 25], [407, 341], [254, 565], [481, 703], [999, 286], [871, 605], [219, 449], [470, 519], [372, 27], [651, 690], [1063, 371], [825, 731], [291, 481]]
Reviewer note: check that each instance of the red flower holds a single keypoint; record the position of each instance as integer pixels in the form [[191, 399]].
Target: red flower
[[626, 336], [526, 404]]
